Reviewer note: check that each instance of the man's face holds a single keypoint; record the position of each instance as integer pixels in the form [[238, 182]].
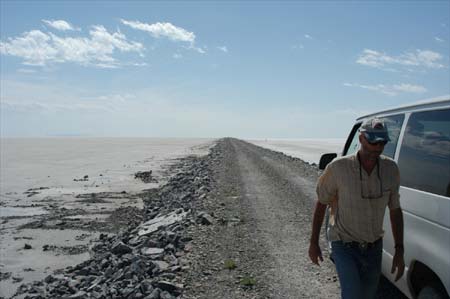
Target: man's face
[[372, 150]]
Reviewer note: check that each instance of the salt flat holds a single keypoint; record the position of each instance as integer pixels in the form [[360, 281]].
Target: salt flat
[[308, 149], [55, 162], [65, 184]]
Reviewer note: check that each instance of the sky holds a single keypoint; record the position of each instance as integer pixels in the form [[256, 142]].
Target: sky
[[250, 69]]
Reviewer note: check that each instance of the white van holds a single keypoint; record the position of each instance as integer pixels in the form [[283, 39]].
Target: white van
[[420, 144]]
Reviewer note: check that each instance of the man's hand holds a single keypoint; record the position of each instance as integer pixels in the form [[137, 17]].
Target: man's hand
[[399, 264], [315, 254]]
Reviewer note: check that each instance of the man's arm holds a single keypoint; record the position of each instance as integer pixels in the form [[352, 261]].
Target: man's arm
[[314, 249], [398, 262]]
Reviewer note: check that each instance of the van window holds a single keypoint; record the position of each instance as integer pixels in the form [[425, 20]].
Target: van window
[[424, 159], [353, 146], [393, 123]]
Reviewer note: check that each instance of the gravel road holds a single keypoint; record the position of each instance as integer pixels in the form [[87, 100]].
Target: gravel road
[[263, 204]]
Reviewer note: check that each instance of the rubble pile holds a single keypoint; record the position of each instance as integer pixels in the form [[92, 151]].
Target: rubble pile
[[143, 260]]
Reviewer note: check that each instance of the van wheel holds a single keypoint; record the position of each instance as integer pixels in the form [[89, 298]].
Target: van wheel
[[431, 292]]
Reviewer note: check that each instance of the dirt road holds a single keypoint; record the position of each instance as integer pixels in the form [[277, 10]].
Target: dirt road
[[263, 205]]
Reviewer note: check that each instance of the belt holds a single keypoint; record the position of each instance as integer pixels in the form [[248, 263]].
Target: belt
[[363, 245]]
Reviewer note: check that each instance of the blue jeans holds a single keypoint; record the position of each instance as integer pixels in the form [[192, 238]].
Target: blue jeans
[[358, 269]]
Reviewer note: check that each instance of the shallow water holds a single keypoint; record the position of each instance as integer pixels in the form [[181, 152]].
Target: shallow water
[[21, 211], [109, 163], [35, 263]]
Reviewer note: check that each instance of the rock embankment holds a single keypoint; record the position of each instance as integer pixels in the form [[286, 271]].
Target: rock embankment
[[144, 260]]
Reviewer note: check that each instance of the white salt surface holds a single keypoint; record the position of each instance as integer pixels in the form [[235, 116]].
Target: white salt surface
[[49, 166], [109, 162], [309, 150]]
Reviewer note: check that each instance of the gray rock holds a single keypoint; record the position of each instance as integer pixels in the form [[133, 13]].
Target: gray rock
[[161, 265], [173, 288], [170, 248], [205, 218], [154, 294], [109, 272], [138, 267], [17, 279], [127, 292], [83, 272], [49, 279], [119, 248], [97, 295], [146, 286], [78, 295], [152, 251], [162, 221], [166, 295]]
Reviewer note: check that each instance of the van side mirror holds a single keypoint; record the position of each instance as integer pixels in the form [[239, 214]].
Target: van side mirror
[[326, 159]]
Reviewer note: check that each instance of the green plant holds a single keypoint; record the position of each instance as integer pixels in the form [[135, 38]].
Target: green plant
[[230, 264], [248, 281]]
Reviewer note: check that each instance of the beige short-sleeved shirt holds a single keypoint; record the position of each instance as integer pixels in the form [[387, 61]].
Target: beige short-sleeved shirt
[[358, 201]]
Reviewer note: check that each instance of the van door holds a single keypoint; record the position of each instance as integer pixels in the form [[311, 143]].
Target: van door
[[424, 163]]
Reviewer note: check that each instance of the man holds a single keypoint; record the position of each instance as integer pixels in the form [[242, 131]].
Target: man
[[358, 188]]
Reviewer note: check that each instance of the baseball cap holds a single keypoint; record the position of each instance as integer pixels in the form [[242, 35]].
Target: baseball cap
[[374, 129]]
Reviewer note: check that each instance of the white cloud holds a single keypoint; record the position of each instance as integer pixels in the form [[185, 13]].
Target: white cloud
[[197, 49], [299, 46], [54, 107], [139, 64], [424, 57], [38, 48], [409, 88], [177, 56], [308, 36], [158, 30], [440, 40], [112, 98], [60, 25], [223, 49], [167, 30], [390, 90], [419, 58], [26, 71]]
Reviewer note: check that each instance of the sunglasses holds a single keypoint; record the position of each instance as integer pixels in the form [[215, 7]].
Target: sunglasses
[[377, 142]]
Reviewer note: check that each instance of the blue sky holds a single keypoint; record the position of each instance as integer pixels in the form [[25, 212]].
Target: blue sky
[[292, 69]]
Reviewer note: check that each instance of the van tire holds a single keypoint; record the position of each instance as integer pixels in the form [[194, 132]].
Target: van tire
[[431, 292]]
